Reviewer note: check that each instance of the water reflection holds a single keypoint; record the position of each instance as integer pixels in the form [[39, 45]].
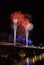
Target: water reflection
[[29, 61], [25, 55]]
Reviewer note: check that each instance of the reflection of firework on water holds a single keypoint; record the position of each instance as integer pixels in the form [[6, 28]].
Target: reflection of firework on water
[[22, 21]]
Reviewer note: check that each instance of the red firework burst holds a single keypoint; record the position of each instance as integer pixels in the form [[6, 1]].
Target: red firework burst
[[22, 20]]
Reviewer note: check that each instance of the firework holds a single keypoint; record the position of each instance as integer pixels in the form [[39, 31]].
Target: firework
[[22, 20], [23, 23]]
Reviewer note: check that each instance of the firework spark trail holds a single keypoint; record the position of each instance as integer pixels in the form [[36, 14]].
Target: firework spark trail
[[15, 30]]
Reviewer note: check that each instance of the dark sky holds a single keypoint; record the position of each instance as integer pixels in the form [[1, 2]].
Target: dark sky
[[35, 8]]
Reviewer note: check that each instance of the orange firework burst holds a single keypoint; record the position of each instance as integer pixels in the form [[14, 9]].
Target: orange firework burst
[[22, 20]]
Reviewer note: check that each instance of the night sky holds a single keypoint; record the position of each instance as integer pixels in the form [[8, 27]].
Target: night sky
[[35, 8]]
